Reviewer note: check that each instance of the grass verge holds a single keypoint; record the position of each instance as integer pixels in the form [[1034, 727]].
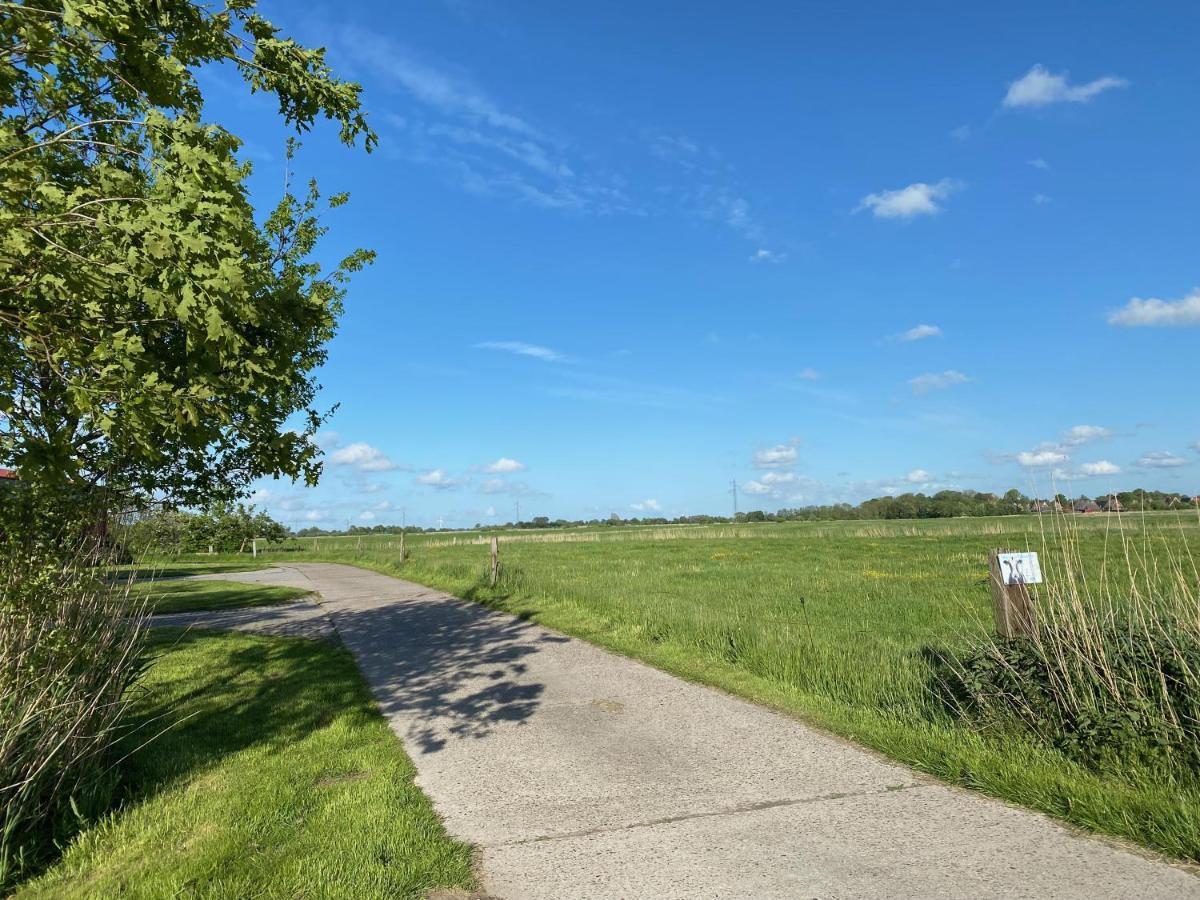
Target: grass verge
[[199, 596], [278, 778]]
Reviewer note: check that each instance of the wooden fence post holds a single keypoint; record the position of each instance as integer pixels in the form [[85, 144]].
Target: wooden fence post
[[1011, 603], [401, 545], [254, 547], [495, 574]]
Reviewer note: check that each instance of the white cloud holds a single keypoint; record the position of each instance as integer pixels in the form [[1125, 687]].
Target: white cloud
[[778, 457], [437, 478], [1154, 312], [808, 374], [504, 464], [918, 199], [1160, 459], [314, 515], [918, 476], [366, 516], [1041, 199], [936, 381], [650, 505], [1039, 163], [490, 512], [362, 457], [767, 256], [520, 348], [961, 133], [786, 486], [1100, 467], [917, 333], [1040, 87], [1034, 459], [1081, 434]]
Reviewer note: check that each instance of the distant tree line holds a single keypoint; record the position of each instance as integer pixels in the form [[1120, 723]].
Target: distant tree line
[[942, 505]]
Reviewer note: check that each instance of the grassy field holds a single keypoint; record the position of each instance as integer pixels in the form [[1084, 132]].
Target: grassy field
[[196, 596], [276, 778], [841, 623]]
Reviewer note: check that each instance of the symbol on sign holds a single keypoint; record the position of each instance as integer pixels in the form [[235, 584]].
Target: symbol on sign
[[1020, 568]]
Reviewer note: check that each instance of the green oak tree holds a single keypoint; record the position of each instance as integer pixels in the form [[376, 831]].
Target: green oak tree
[[157, 339]]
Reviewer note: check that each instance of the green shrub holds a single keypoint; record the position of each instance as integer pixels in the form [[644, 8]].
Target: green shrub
[[1133, 701]]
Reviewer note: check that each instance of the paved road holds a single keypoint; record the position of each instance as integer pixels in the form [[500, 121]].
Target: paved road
[[580, 774]]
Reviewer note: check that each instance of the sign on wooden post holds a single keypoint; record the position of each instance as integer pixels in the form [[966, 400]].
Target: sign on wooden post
[[495, 574], [1010, 575]]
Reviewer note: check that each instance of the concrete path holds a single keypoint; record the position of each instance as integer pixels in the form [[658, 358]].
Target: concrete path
[[580, 774]]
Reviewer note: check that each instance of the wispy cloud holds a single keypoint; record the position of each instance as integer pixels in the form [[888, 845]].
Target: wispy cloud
[[722, 204], [808, 374], [767, 256], [1040, 87], [1139, 313], [501, 486], [452, 94], [919, 199], [917, 333], [520, 348], [650, 505], [918, 476], [936, 381], [1160, 459], [1039, 163], [1081, 434]]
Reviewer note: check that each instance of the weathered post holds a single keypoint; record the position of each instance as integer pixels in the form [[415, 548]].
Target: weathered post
[[495, 573], [401, 545], [1010, 575], [254, 547]]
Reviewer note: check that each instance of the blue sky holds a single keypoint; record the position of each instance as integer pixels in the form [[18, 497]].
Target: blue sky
[[629, 252]]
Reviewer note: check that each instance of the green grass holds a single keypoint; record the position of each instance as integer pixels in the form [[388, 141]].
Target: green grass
[[277, 778], [838, 623], [197, 596]]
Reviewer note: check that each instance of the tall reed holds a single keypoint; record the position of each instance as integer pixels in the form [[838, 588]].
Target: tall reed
[[1111, 674], [69, 651]]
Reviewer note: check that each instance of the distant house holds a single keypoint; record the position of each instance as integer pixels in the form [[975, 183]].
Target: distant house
[[1113, 505], [1086, 506]]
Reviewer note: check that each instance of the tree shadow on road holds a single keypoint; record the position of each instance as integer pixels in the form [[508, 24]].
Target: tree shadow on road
[[453, 669]]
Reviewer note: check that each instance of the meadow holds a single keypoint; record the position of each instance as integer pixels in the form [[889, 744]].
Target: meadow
[[848, 625]]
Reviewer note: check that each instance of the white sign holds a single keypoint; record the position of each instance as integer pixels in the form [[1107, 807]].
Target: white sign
[[1020, 568]]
